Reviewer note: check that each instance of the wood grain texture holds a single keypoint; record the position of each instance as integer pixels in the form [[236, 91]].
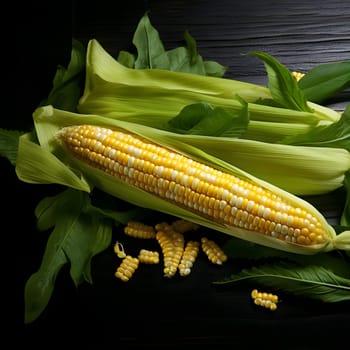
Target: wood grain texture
[[300, 33]]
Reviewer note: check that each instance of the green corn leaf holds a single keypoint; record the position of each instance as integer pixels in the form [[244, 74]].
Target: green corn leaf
[[186, 59], [203, 119], [127, 59], [345, 217], [214, 69], [333, 261], [335, 135], [80, 232], [192, 47], [151, 53], [47, 209], [9, 144], [88, 236], [150, 49], [325, 81], [40, 285], [180, 61], [68, 82], [77, 236], [315, 282], [284, 87]]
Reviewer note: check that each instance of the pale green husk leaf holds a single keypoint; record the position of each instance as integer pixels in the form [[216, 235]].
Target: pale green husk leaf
[[36, 164], [152, 96]]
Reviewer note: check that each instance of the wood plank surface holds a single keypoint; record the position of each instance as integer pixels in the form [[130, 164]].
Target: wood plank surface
[[301, 33]]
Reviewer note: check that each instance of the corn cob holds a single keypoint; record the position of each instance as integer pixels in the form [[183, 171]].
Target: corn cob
[[231, 204]]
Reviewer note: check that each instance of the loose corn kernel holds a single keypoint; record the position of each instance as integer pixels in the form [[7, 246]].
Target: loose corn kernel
[[214, 253], [148, 256], [298, 75], [219, 196], [267, 300], [119, 250], [127, 268], [188, 258], [139, 230], [163, 226], [172, 245], [183, 226]]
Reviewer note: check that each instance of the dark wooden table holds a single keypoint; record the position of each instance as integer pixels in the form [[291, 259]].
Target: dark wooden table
[[151, 311]]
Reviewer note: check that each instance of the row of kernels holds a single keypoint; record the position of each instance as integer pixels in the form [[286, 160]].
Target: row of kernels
[[139, 230], [172, 245], [127, 268], [188, 258], [267, 300], [214, 253], [148, 256]]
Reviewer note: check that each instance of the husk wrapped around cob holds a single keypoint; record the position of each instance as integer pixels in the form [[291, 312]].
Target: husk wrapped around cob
[[62, 165], [152, 97]]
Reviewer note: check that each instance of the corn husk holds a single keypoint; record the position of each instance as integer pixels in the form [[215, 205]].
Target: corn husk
[[48, 122], [153, 96]]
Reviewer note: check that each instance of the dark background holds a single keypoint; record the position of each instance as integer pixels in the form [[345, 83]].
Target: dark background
[[149, 310]]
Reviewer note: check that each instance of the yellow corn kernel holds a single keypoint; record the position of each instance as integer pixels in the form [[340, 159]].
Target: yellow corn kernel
[[172, 245], [119, 250], [163, 226], [139, 230], [267, 300], [298, 75], [214, 253], [127, 268], [148, 256], [188, 258], [183, 226], [221, 197]]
